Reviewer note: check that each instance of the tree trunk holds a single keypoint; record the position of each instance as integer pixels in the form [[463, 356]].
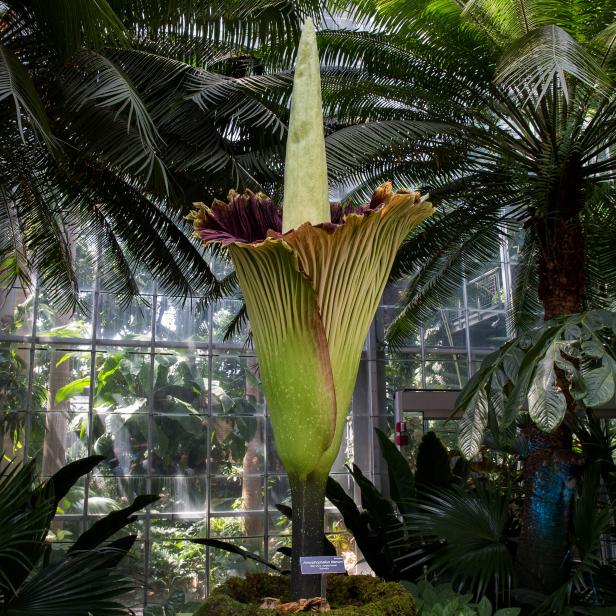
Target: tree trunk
[[551, 468], [308, 501], [252, 482], [252, 464], [54, 446]]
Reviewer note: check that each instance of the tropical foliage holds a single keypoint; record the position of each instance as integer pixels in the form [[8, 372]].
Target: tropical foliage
[[523, 375], [504, 112], [464, 534], [115, 113], [443, 600], [85, 579]]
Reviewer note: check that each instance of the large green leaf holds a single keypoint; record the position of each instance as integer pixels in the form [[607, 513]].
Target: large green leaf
[[71, 389], [546, 401], [473, 424], [104, 528], [401, 482], [599, 384]]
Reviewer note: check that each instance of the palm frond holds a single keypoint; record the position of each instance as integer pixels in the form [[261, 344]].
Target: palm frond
[[605, 43], [545, 56], [13, 257], [100, 82], [70, 25], [242, 23], [18, 529], [601, 251], [472, 528], [16, 84], [80, 582], [437, 264], [48, 240]]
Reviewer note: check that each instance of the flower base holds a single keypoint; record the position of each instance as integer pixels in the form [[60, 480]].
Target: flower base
[[353, 595]]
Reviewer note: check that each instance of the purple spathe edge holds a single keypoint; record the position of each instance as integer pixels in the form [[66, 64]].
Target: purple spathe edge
[[252, 218]]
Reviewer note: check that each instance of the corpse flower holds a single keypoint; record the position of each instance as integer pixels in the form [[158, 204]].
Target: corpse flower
[[311, 277]]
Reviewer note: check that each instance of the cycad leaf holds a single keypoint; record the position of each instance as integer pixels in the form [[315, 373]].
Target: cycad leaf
[[545, 56], [102, 83], [73, 24]]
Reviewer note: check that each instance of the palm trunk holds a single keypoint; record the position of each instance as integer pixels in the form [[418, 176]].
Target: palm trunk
[[308, 500], [551, 468]]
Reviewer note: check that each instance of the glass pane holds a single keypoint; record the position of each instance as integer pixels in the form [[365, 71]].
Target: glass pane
[[446, 328], [224, 565], [53, 324], [16, 312], [488, 328], [235, 379], [177, 568], [446, 371], [403, 372], [177, 320], [133, 322], [223, 313]]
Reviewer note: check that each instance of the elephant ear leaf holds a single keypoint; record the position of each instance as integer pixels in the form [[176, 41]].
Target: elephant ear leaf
[[473, 424], [599, 386], [111, 524], [546, 401]]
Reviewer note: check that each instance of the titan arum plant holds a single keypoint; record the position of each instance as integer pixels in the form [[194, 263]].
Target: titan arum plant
[[311, 276]]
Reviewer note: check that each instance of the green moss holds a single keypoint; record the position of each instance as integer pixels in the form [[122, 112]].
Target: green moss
[[355, 595]]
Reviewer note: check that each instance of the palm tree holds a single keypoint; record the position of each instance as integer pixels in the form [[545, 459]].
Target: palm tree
[[117, 112], [505, 112]]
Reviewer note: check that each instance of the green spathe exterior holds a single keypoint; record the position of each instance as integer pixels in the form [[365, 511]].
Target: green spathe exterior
[[311, 296]]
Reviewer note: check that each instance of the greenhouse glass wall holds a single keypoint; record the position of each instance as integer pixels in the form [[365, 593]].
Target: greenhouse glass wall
[[177, 411]]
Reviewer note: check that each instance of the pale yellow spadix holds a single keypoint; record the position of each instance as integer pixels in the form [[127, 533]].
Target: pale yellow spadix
[[305, 177]]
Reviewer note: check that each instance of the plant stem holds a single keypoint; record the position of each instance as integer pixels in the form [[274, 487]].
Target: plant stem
[[308, 500]]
